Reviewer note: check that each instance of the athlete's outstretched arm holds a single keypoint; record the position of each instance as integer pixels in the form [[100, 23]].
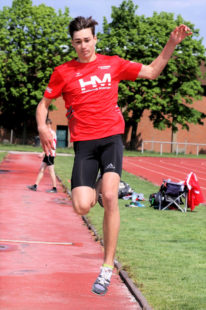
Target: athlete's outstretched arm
[[44, 133], [153, 70]]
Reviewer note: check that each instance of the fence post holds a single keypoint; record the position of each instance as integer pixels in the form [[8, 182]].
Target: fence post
[[177, 149], [11, 136], [142, 146]]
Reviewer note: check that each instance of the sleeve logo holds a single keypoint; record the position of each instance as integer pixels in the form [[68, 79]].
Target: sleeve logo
[[49, 90]]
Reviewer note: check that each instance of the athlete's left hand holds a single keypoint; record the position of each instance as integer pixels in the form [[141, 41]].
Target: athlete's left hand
[[46, 139], [179, 33]]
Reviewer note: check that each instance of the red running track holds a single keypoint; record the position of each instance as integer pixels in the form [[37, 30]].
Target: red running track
[[156, 169], [48, 258]]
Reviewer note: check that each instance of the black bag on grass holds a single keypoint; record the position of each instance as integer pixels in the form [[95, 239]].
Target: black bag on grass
[[156, 200], [124, 189]]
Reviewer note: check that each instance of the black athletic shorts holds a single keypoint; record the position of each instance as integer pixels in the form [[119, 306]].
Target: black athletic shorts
[[91, 156], [49, 160]]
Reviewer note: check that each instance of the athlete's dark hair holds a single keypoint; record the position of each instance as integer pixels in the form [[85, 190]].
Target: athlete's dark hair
[[80, 23]]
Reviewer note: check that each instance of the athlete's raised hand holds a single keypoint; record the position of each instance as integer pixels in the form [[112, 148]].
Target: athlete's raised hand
[[179, 33]]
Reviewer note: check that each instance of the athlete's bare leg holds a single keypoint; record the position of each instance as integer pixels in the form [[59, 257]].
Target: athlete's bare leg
[[111, 223], [52, 175], [41, 173], [84, 197]]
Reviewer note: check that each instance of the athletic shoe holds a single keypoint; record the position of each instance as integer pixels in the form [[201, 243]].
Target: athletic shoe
[[32, 187], [102, 282], [52, 190]]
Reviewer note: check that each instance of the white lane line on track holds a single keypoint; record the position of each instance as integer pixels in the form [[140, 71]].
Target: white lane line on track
[[173, 170], [160, 166], [157, 172], [150, 170], [182, 164], [37, 242]]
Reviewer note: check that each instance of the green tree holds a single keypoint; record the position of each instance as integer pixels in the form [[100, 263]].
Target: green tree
[[33, 40], [169, 98]]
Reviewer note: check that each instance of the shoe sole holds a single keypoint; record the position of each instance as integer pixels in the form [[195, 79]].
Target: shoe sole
[[99, 294], [34, 190]]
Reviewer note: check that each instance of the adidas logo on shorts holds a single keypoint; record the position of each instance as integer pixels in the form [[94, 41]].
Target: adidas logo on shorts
[[110, 166]]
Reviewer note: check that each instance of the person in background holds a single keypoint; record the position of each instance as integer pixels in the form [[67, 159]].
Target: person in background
[[48, 162]]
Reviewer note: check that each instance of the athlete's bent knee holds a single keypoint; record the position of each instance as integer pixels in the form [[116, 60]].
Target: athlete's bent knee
[[81, 209]]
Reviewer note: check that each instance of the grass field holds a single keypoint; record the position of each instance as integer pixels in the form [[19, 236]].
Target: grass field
[[163, 251], [30, 148]]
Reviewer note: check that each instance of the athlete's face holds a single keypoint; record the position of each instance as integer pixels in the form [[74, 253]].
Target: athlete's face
[[84, 43]]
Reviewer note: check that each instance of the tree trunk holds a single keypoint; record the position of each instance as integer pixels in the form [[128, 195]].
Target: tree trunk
[[173, 140], [24, 134], [133, 142]]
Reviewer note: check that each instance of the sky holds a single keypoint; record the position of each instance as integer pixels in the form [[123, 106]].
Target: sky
[[191, 10]]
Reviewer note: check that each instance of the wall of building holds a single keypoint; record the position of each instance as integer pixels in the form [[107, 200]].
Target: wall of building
[[58, 116]]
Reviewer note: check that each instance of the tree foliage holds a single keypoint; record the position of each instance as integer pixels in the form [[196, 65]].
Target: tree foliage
[[34, 39], [141, 39], [31, 45]]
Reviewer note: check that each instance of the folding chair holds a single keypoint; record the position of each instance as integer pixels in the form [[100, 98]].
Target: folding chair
[[173, 195]]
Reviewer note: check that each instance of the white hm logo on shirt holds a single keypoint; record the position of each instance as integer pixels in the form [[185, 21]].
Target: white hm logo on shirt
[[96, 83]]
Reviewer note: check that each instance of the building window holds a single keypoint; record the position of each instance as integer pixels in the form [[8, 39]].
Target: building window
[[62, 136]]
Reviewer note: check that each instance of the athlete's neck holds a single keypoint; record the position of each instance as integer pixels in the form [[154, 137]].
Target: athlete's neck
[[87, 60]]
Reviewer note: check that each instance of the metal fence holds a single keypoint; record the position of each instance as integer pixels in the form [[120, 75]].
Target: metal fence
[[173, 147]]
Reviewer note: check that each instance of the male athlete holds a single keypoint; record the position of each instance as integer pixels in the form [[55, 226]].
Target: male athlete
[[89, 86]]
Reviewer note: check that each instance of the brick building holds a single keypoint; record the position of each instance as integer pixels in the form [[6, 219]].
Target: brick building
[[60, 123]]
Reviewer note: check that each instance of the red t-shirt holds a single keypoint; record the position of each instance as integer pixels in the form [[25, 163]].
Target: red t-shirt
[[90, 92]]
